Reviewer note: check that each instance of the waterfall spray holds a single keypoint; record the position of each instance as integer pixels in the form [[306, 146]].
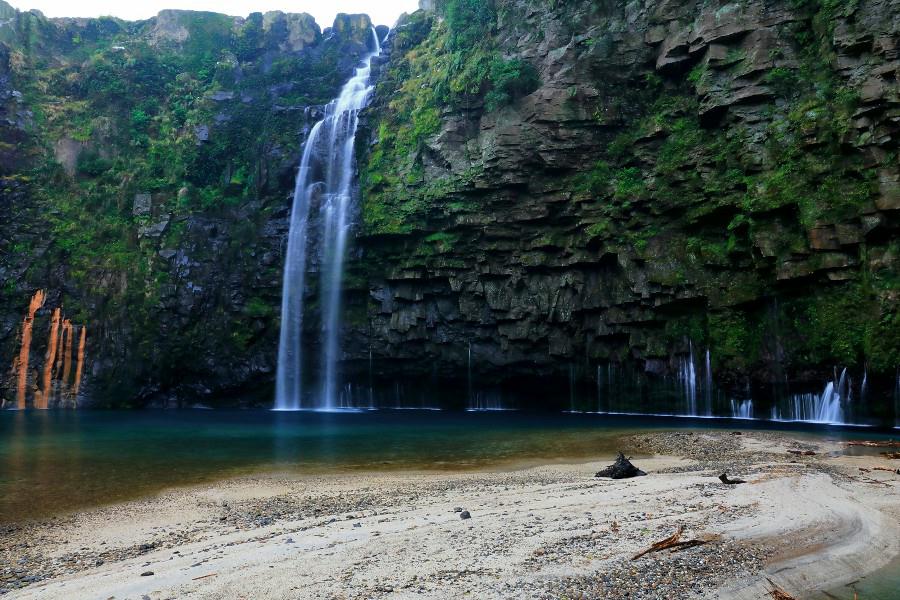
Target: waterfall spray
[[825, 408]]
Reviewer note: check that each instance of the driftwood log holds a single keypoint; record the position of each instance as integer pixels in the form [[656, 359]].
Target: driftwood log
[[673, 543], [621, 469], [724, 479], [876, 444], [777, 593]]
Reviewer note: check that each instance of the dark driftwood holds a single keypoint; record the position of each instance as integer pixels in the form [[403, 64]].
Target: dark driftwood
[[621, 469], [895, 471], [724, 479], [661, 545], [688, 544], [802, 452], [672, 543], [878, 444], [777, 593]]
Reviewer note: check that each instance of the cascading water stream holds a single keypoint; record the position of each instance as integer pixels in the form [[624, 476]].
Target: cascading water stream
[[813, 408], [687, 376], [324, 184]]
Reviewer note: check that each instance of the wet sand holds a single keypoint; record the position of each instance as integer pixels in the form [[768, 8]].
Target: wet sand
[[808, 523]]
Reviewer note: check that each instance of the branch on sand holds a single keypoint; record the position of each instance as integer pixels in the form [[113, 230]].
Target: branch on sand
[[672, 543], [724, 479], [876, 444], [777, 593], [870, 469]]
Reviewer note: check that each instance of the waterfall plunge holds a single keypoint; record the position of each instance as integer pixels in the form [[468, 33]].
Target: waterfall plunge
[[324, 188], [687, 377], [813, 408]]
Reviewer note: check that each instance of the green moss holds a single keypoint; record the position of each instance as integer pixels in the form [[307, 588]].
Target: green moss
[[847, 325], [733, 339], [258, 308], [443, 241], [470, 22], [629, 184], [509, 80]]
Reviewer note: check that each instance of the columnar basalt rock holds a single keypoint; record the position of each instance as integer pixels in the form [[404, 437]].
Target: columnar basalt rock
[[79, 366], [21, 364], [55, 386], [42, 400], [718, 172]]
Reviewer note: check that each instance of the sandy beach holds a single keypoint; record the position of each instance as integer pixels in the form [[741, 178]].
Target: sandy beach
[[806, 522]]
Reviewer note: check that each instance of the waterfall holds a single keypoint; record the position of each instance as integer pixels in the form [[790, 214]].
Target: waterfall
[[708, 385], [687, 376], [825, 408], [741, 409], [864, 388], [324, 189], [486, 401]]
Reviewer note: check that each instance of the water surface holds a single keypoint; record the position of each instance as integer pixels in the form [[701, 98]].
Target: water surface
[[52, 462]]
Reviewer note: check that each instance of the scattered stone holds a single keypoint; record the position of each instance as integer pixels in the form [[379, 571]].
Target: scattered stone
[[146, 573], [465, 515], [201, 134], [142, 205]]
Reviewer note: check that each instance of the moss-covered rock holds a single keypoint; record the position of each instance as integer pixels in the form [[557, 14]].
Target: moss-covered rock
[[720, 172], [151, 184]]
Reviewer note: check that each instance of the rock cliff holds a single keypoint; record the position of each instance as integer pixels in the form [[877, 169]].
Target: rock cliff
[[146, 178], [545, 188], [721, 175]]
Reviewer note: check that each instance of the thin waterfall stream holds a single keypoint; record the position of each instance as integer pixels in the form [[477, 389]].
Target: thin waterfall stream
[[320, 223]]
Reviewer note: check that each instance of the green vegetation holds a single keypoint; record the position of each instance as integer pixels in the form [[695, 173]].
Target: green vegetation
[[451, 65], [202, 122]]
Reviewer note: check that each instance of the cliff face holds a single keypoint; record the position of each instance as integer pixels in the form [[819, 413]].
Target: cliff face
[[146, 177], [545, 187], [716, 174]]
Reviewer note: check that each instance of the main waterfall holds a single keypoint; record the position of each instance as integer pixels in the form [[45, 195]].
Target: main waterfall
[[324, 189]]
